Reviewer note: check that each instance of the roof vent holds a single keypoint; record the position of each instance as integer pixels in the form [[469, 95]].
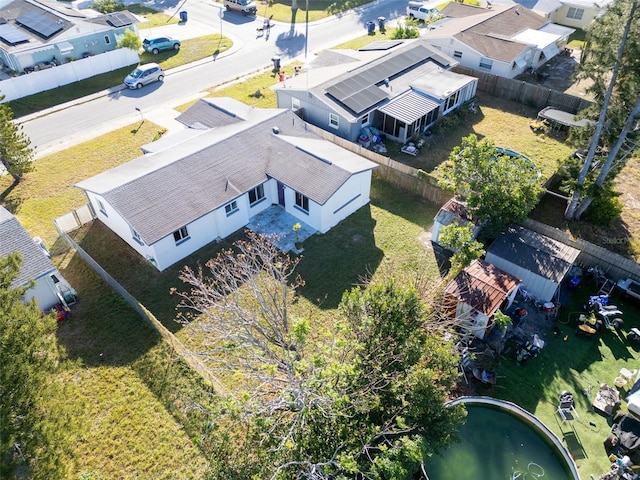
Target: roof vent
[[276, 130]]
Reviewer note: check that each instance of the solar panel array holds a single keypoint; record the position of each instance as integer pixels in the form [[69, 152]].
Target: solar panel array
[[118, 20], [360, 92], [11, 35], [39, 24]]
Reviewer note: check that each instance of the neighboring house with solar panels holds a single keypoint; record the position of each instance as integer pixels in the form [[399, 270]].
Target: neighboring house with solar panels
[[503, 40], [49, 287], [233, 163], [40, 35], [398, 87]]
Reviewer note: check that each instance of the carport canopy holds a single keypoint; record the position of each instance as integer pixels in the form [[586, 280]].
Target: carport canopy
[[409, 107], [560, 117]]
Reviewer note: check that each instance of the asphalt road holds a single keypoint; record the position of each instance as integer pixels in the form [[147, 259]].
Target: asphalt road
[[89, 117]]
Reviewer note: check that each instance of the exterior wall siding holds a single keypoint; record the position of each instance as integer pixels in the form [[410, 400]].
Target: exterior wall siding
[[539, 286], [43, 292]]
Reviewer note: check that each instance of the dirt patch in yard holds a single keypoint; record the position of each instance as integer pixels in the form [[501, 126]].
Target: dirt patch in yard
[[559, 74]]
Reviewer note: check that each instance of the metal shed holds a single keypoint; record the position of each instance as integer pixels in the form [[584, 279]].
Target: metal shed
[[541, 262]]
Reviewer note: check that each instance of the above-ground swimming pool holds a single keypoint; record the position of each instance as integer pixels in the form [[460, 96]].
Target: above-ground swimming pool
[[501, 441]]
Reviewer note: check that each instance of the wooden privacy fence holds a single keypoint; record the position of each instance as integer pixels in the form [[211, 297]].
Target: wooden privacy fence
[[615, 266], [398, 174], [176, 345], [525, 93]]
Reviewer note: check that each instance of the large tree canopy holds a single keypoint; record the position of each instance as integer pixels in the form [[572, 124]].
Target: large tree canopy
[[362, 395], [28, 356], [611, 59], [498, 188]]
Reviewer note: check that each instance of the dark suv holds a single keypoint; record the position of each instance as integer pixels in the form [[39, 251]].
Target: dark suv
[[159, 44]]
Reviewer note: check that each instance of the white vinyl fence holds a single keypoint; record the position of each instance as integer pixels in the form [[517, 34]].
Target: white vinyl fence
[[43, 80]]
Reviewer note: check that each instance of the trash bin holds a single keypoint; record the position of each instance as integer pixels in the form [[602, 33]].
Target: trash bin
[[276, 63], [183, 16], [381, 21], [371, 28]]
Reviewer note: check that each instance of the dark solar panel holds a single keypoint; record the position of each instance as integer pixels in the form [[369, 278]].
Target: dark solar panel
[[360, 101], [118, 20], [40, 24], [378, 72], [12, 35]]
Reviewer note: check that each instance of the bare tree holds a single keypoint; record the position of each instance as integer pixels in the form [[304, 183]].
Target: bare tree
[[241, 306]]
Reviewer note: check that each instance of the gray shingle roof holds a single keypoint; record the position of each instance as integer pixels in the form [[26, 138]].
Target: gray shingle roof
[[535, 252], [14, 238], [161, 192], [490, 32]]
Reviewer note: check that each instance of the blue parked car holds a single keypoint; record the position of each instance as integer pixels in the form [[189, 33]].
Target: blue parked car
[[159, 44]]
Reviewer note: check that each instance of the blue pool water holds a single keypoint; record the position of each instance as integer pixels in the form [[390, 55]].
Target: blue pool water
[[500, 443]]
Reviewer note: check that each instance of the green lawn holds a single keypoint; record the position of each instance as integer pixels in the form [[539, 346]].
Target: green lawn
[[124, 390]]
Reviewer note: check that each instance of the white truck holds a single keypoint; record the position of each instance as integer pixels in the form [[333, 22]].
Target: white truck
[[422, 11], [246, 7]]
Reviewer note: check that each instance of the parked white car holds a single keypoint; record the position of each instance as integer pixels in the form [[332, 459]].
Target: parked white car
[[144, 75], [422, 11]]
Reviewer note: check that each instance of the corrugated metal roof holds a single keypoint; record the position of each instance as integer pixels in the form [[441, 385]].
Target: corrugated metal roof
[[482, 286], [535, 252], [14, 238], [409, 107]]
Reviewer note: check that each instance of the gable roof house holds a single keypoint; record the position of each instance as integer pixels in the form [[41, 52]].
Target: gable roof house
[[206, 185], [398, 87], [37, 36], [541, 262], [49, 288], [477, 293], [571, 13], [504, 40]]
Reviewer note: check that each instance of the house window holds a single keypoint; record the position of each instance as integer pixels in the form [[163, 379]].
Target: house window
[[295, 104], [102, 209], [107, 40], [334, 120], [486, 63], [181, 235], [231, 208], [457, 54], [452, 101], [136, 237], [302, 202], [256, 194], [575, 13], [365, 119]]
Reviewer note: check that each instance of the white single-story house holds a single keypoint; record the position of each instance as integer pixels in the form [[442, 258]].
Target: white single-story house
[[399, 87], [454, 211], [37, 35], [503, 40], [571, 13], [49, 288], [198, 188], [475, 295], [541, 262]]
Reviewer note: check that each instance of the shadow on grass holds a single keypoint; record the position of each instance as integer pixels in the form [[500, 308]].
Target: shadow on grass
[[339, 259], [102, 328]]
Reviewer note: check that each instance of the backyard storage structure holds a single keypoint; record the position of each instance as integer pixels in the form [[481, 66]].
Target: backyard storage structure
[[454, 211], [477, 293], [541, 262]]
